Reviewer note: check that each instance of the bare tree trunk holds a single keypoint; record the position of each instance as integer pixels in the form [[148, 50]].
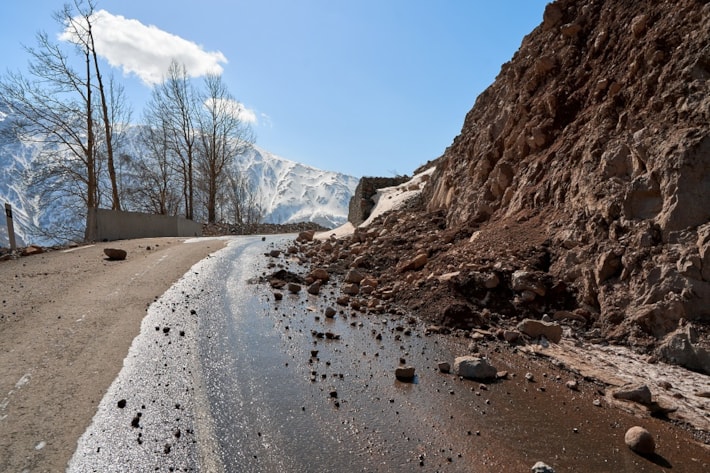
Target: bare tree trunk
[[92, 184], [108, 125]]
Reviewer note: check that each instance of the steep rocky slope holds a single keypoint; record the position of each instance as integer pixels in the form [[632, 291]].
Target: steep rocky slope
[[577, 191], [599, 131]]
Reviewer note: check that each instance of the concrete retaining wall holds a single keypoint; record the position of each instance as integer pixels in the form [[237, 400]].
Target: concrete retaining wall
[[115, 225], [361, 202]]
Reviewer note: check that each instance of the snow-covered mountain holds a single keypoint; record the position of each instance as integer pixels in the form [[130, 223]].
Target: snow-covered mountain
[[293, 192], [288, 192]]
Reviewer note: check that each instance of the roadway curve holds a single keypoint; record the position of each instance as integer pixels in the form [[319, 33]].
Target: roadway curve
[[224, 378]]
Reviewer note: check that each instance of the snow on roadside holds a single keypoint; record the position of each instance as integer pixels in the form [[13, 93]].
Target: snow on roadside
[[386, 200]]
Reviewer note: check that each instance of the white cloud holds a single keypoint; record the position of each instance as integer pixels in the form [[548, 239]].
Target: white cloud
[[147, 51], [236, 109]]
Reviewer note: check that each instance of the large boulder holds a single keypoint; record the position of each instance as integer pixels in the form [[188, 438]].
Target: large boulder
[[537, 328], [473, 367], [640, 440], [639, 393], [682, 347]]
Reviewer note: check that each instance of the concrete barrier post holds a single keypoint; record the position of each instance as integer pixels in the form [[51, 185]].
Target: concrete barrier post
[[10, 227]]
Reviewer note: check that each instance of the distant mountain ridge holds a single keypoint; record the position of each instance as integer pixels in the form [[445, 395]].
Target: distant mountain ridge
[[294, 192], [289, 192]]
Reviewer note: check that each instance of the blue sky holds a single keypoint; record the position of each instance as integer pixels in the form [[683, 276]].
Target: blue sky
[[365, 87]]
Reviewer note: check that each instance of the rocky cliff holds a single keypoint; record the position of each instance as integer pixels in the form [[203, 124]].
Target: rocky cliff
[[578, 189], [598, 130]]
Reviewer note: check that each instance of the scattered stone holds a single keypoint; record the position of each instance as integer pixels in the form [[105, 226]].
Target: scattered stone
[[536, 328], [572, 384], [281, 277], [640, 440], [608, 266], [567, 315], [639, 393], [473, 367], [34, 250], [530, 377], [275, 253], [415, 263], [354, 276], [351, 289], [329, 312], [444, 366], [511, 336], [320, 274], [490, 280], [314, 288], [294, 288], [278, 296], [306, 236], [404, 373], [665, 384], [369, 281], [541, 467], [115, 254], [528, 281]]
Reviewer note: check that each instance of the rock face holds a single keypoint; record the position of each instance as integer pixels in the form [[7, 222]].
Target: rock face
[[595, 139], [579, 187]]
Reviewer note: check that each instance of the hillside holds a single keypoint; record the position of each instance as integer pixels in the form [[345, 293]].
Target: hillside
[[578, 190]]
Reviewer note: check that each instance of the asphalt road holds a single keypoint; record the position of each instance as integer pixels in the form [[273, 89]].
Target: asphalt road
[[223, 378]]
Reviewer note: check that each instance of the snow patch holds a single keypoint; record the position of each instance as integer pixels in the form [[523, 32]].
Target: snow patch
[[386, 200]]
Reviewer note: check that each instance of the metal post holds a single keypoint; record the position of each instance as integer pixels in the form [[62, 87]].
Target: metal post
[[10, 227]]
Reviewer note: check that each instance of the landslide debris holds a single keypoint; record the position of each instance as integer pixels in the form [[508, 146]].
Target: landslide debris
[[577, 193]]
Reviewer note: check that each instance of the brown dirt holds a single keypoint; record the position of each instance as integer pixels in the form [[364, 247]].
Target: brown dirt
[[67, 319]]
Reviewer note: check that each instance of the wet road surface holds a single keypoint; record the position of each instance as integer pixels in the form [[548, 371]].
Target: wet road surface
[[225, 378]]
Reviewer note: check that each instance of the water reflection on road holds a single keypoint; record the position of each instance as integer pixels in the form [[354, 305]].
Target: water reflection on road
[[264, 391]]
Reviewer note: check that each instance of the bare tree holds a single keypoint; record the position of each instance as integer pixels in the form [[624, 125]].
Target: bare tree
[[55, 105], [154, 173], [241, 202], [223, 136], [80, 30], [173, 106]]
